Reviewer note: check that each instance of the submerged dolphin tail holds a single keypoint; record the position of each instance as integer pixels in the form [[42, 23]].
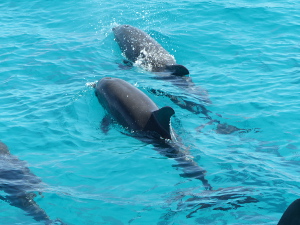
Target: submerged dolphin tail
[[178, 70], [160, 121], [291, 216]]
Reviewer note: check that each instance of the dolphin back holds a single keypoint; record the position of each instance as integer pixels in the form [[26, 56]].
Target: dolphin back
[[291, 216], [141, 49], [132, 108]]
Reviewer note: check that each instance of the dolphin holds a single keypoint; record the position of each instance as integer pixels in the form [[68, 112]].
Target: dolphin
[[17, 182], [291, 216], [143, 50], [135, 111], [132, 108]]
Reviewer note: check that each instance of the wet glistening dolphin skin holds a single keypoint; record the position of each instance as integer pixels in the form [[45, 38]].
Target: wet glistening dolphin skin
[[132, 108], [18, 182], [140, 48]]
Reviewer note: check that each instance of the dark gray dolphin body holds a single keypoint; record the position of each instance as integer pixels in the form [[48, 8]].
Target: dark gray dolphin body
[[18, 182], [135, 111], [132, 108], [140, 48], [291, 216]]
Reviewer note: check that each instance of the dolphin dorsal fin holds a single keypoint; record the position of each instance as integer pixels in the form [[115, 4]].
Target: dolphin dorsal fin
[[161, 118], [291, 216], [177, 70]]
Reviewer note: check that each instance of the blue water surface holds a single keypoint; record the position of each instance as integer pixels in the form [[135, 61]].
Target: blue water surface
[[245, 54]]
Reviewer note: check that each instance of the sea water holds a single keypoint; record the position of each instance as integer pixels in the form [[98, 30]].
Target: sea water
[[244, 54]]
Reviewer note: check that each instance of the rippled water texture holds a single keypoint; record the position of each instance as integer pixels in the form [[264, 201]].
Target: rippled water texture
[[245, 54]]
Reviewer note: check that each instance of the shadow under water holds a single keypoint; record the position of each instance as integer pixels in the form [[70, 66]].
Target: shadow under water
[[200, 109], [220, 199]]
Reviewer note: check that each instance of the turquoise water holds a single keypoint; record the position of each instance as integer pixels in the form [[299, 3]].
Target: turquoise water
[[244, 54]]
